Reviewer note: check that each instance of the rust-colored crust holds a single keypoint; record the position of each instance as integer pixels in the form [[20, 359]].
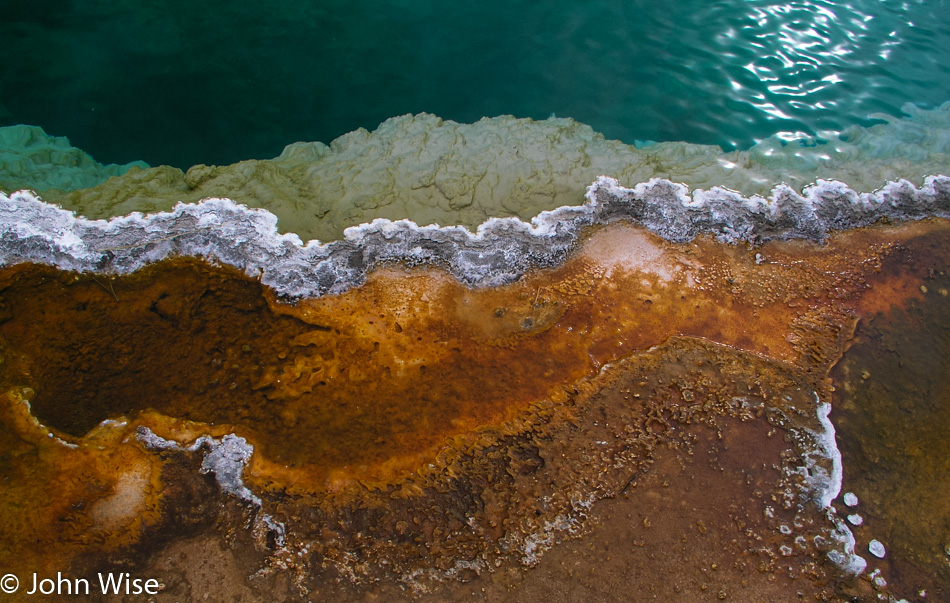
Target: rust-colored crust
[[413, 388]]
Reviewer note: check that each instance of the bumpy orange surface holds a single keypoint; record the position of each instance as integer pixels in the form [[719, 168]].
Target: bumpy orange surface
[[369, 389]]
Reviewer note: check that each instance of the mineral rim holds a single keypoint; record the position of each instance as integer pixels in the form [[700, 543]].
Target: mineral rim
[[632, 396]]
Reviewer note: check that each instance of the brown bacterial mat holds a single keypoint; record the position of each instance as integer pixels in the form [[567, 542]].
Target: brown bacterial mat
[[646, 421]]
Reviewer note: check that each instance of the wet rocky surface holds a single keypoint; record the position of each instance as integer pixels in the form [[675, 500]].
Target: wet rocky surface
[[647, 418]]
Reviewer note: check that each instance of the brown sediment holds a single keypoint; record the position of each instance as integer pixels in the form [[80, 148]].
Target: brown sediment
[[892, 413], [61, 501], [634, 432], [412, 419], [698, 526]]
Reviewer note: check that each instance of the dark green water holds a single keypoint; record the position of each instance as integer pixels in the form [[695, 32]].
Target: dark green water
[[181, 82]]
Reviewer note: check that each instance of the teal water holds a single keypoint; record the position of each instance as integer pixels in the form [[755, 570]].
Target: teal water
[[180, 82]]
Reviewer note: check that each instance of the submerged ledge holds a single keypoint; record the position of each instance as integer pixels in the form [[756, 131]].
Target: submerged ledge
[[501, 251], [431, 170]]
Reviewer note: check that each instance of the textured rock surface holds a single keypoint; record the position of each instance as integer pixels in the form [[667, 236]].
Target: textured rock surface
[[414, 434], [501, 251], [431, 170], [420, 432], [893, 414]]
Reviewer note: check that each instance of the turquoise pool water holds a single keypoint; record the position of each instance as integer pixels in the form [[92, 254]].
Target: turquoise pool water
[[177, 82]]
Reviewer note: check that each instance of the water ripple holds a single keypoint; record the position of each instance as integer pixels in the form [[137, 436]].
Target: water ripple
[[200, 84]]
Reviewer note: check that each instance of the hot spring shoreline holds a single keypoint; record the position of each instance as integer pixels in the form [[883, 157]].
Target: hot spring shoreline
[[501, 250], [408, 411]]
